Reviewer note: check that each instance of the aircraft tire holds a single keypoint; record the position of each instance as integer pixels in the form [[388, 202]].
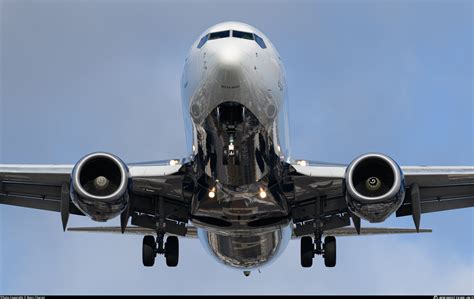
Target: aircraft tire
[[307, 252], [172, 251], [330, 251], [148, 251]]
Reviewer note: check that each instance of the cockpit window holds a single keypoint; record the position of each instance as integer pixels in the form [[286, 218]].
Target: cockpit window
[[220, 34], [241, 34], [203, 41], [260, 42]]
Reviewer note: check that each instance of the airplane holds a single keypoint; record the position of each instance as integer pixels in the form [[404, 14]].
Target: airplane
[[238, 191]]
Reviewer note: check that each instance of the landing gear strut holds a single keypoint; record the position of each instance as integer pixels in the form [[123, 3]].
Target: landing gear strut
[[309, 249], [151, 247], [230, 151]]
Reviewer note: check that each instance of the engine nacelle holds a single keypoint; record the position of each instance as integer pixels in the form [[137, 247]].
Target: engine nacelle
[[374, 187], [99, 186]]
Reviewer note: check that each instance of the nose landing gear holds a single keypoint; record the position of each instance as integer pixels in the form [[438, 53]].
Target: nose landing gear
[[230, 151]]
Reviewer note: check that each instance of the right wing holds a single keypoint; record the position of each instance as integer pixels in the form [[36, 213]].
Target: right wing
[[47, 187], [43, 186], [36, 186]]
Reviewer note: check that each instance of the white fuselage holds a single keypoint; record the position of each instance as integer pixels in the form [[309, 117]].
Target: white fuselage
[[238, 70], [234, 95]]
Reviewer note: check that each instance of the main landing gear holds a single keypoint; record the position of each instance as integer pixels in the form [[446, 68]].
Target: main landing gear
[[327, 250], [151, 248]]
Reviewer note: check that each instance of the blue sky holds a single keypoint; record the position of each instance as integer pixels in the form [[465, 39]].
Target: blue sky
[[388, 76]]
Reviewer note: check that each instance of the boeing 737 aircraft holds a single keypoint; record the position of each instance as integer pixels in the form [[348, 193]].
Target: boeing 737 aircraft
[[239, 192]]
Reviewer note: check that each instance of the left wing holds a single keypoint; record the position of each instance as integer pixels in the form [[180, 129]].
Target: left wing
[[440, 188], [437, 188], [427, 189]]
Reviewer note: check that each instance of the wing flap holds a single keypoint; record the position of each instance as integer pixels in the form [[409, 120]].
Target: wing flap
[[438, 205], [441, 188], [31, 202]]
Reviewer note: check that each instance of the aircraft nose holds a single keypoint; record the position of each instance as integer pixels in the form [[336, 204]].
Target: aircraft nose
[[229, 64], [229, 57]]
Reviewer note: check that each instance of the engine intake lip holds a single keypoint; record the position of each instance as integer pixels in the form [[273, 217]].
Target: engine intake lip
[[393, 191], [76, 177]]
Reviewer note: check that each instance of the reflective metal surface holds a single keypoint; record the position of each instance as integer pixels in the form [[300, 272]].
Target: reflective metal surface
[[374, 205], [248, 250], [100, 203], [233, 94], [245, 186], [253, 156], [235, 70]]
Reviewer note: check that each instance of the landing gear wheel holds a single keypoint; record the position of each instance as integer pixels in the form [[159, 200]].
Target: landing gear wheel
[[307, 252], [330, 251], [148, 251], [172, 251]]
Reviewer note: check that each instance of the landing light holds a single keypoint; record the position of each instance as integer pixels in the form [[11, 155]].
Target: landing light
[[262, 193], [302, 162], [212, 192], [174, 162]]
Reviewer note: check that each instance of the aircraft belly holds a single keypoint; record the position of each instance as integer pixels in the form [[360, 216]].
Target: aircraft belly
[[245, 250]]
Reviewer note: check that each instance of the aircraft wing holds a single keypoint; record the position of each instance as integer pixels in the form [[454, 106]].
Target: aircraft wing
[[47, 187], [35, 186], [428, 189], [440, 188]]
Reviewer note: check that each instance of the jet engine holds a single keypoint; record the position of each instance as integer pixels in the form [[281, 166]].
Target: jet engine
[[374, 187], [99, 186]]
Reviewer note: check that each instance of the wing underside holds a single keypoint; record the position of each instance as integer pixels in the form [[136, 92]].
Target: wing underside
[[47, 187], [320, 192]]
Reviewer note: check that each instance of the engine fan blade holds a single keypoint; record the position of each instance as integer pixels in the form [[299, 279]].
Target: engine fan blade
[[108, 187]]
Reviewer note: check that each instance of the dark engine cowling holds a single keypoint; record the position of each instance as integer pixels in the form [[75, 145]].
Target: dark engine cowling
[[374, 187], [99, 186]]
